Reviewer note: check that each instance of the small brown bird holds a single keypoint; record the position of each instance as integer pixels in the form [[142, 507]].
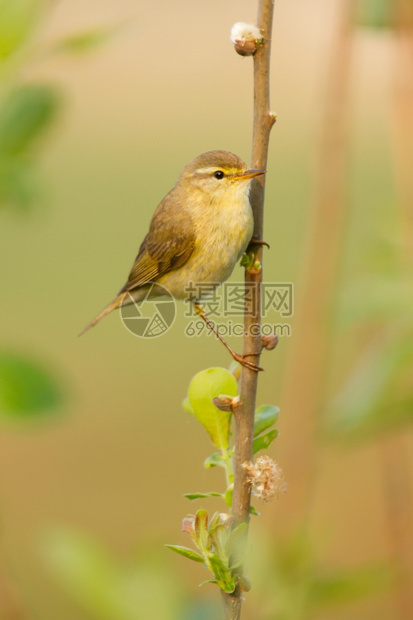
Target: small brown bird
[[196, 235]]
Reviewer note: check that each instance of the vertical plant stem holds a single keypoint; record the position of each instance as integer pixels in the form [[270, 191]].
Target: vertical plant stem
[[393, 450], [11, 608], [228, 466], [244, 415], [306, 368], [403, 120], [398, 512]]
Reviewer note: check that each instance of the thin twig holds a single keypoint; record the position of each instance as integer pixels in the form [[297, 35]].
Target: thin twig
[[244, 414]]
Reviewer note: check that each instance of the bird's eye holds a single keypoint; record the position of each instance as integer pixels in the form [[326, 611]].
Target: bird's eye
[[219, 174]]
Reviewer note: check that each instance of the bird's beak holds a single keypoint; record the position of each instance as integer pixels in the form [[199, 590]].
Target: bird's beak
[[249, 174]]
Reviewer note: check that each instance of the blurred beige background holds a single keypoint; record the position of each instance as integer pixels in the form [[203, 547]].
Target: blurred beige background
[[167, 87]]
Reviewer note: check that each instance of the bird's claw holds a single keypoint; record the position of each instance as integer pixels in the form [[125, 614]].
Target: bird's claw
[[256, 241], [241, 359]]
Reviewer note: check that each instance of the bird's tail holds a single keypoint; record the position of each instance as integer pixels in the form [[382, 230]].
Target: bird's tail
[[112, 306]]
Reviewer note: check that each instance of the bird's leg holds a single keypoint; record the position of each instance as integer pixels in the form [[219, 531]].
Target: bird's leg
[[237, 357]]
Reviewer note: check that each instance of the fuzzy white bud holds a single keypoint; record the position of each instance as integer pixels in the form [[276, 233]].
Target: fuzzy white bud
[[245, 38]]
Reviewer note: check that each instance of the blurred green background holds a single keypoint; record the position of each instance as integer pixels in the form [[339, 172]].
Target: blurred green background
[[92, 490]]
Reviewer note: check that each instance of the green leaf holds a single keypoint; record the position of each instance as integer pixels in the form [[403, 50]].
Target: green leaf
[[235, 369], [220, 570], [247, 260], [262, 442], [378, 395], [208, 581], [193, 496], [229, 585], [228, 495], [201, 530], [186, 552], [254, 511], [103, 587], [215, 460], [27, 390], [205, 386], [376, 14], [24, 116], [18, 19], [265, 417], [237, 545], [87, 570], [220, 539]]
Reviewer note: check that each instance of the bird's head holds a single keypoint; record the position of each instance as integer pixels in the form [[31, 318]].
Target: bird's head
[[218, 174]]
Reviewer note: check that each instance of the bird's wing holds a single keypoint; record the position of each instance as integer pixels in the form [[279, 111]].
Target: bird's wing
[[168, 245]]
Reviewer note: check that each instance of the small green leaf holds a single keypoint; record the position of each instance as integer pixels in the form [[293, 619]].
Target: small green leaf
[[263, 441], [186, 552], [24, 116], [220, 518], [205, 386], [237, 545], [220, 538], [201, 530], [208, 581], [265, 417], [228, 495], [254, 511], [215, 460], [27, 391], [247, 260], [220, 570], [228, 585], [235, 369], [193, 496]]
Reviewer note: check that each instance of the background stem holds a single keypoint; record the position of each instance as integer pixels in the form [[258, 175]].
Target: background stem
[[393, 450], [309, 354]]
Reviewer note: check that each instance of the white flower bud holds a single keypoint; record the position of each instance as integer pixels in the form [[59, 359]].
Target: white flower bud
[[245, 38]]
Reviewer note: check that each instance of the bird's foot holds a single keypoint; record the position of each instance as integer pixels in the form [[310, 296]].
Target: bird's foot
[[249, 259], [237, 356], [241, 360], [255, 241]]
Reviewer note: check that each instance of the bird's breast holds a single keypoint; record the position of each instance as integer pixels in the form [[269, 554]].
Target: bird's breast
[[223, 232], [222, 239]]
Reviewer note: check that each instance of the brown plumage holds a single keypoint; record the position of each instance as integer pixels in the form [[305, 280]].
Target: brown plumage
[[203, 224]]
